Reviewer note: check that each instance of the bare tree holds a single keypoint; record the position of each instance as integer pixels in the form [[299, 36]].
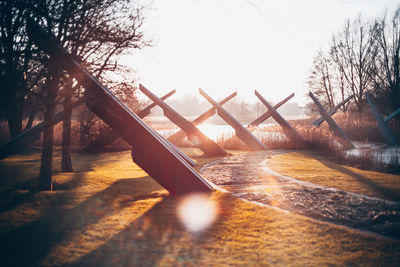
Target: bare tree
[[354, 51], [321, 80], [16, 53], [95, 32], [387, 68]]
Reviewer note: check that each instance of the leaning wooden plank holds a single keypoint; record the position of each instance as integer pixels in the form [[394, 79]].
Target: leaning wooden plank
[[267, 114], [108, 137], [27, 137], [288, 130], [253, 125], [392, 115], [383, 128], [195, 136], [150, 152], [247, 137], [331, 112], [332, 124], [200, 119]]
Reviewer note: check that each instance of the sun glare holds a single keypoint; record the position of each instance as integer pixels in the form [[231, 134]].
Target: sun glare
[[216, 131], [197, 212]]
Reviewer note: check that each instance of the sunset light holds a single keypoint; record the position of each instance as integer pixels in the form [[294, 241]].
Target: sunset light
[[200, 133], [197, 212]]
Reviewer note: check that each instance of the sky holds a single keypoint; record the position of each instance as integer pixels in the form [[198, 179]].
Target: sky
[[224, 46]]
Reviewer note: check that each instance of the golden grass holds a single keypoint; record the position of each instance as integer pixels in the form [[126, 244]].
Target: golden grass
[[314, 168], [110, 213]]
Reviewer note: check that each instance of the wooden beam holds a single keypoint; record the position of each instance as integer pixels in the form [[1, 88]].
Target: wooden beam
[[332, 124], [383, 128], [267, 114], [247, 137], [195, 136], [151, 153], [287, 129], [200, 119], [108, 137], [331, 112], [29, 136], [392, 115]]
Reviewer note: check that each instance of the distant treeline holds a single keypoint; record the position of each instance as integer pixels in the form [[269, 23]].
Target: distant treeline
[[364, 56]]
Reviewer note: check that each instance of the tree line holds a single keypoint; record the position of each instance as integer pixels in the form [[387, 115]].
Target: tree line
[[364, 56], [95, 32]]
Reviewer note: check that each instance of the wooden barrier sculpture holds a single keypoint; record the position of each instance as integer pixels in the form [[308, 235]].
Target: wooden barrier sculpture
[[200, 119], [392, 115], [29, 136], [288, 130], [383, 128], [247, 137], [267, 114], [150, 151], [252, 126], [108, 137], [195, 136], [99, 143], [331, 112], [332, 124]]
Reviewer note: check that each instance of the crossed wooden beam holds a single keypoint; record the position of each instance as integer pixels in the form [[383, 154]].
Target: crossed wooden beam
[[29, 136], [200, 119], [287, 129], [244, 134], [103, 140], [332, 124], [382, 126], [195, 136], [150, 152], [332, 111]]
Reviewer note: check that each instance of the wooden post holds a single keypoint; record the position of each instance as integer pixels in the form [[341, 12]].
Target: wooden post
[[248, 138], [332, 124], [27, 137], [288, 130], [195, 136], [181, 134], [331, 112], [383, 128], [151, 153], [392, 115], [108, 137], [267, 114]]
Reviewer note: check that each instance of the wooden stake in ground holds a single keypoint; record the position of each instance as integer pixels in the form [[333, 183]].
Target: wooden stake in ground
[[288, 130], [103, 140], [383, 128], [27, 137], [195, 136], [331, 112], [150, 152], [200, 119], [247, 137], [332, 124], [268, 114]]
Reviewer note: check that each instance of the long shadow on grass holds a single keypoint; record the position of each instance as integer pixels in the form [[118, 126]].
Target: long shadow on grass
[[156, 238], [383, 191], [26, 191], [31, 243]]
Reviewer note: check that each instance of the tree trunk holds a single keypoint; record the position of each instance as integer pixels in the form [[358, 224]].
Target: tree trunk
[[14, 117], [46, 167], [45, 181], [30, 120], [66, 163]]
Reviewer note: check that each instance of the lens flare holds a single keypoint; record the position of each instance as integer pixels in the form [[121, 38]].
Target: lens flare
[[197, 212]]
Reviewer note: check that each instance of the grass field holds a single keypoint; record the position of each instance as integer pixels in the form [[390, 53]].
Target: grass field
[[110, 213]]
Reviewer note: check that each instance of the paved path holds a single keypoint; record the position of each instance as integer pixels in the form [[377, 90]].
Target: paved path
[[247, 176]]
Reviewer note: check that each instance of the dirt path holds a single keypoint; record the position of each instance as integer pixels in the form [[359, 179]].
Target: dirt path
[[248, 176]]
